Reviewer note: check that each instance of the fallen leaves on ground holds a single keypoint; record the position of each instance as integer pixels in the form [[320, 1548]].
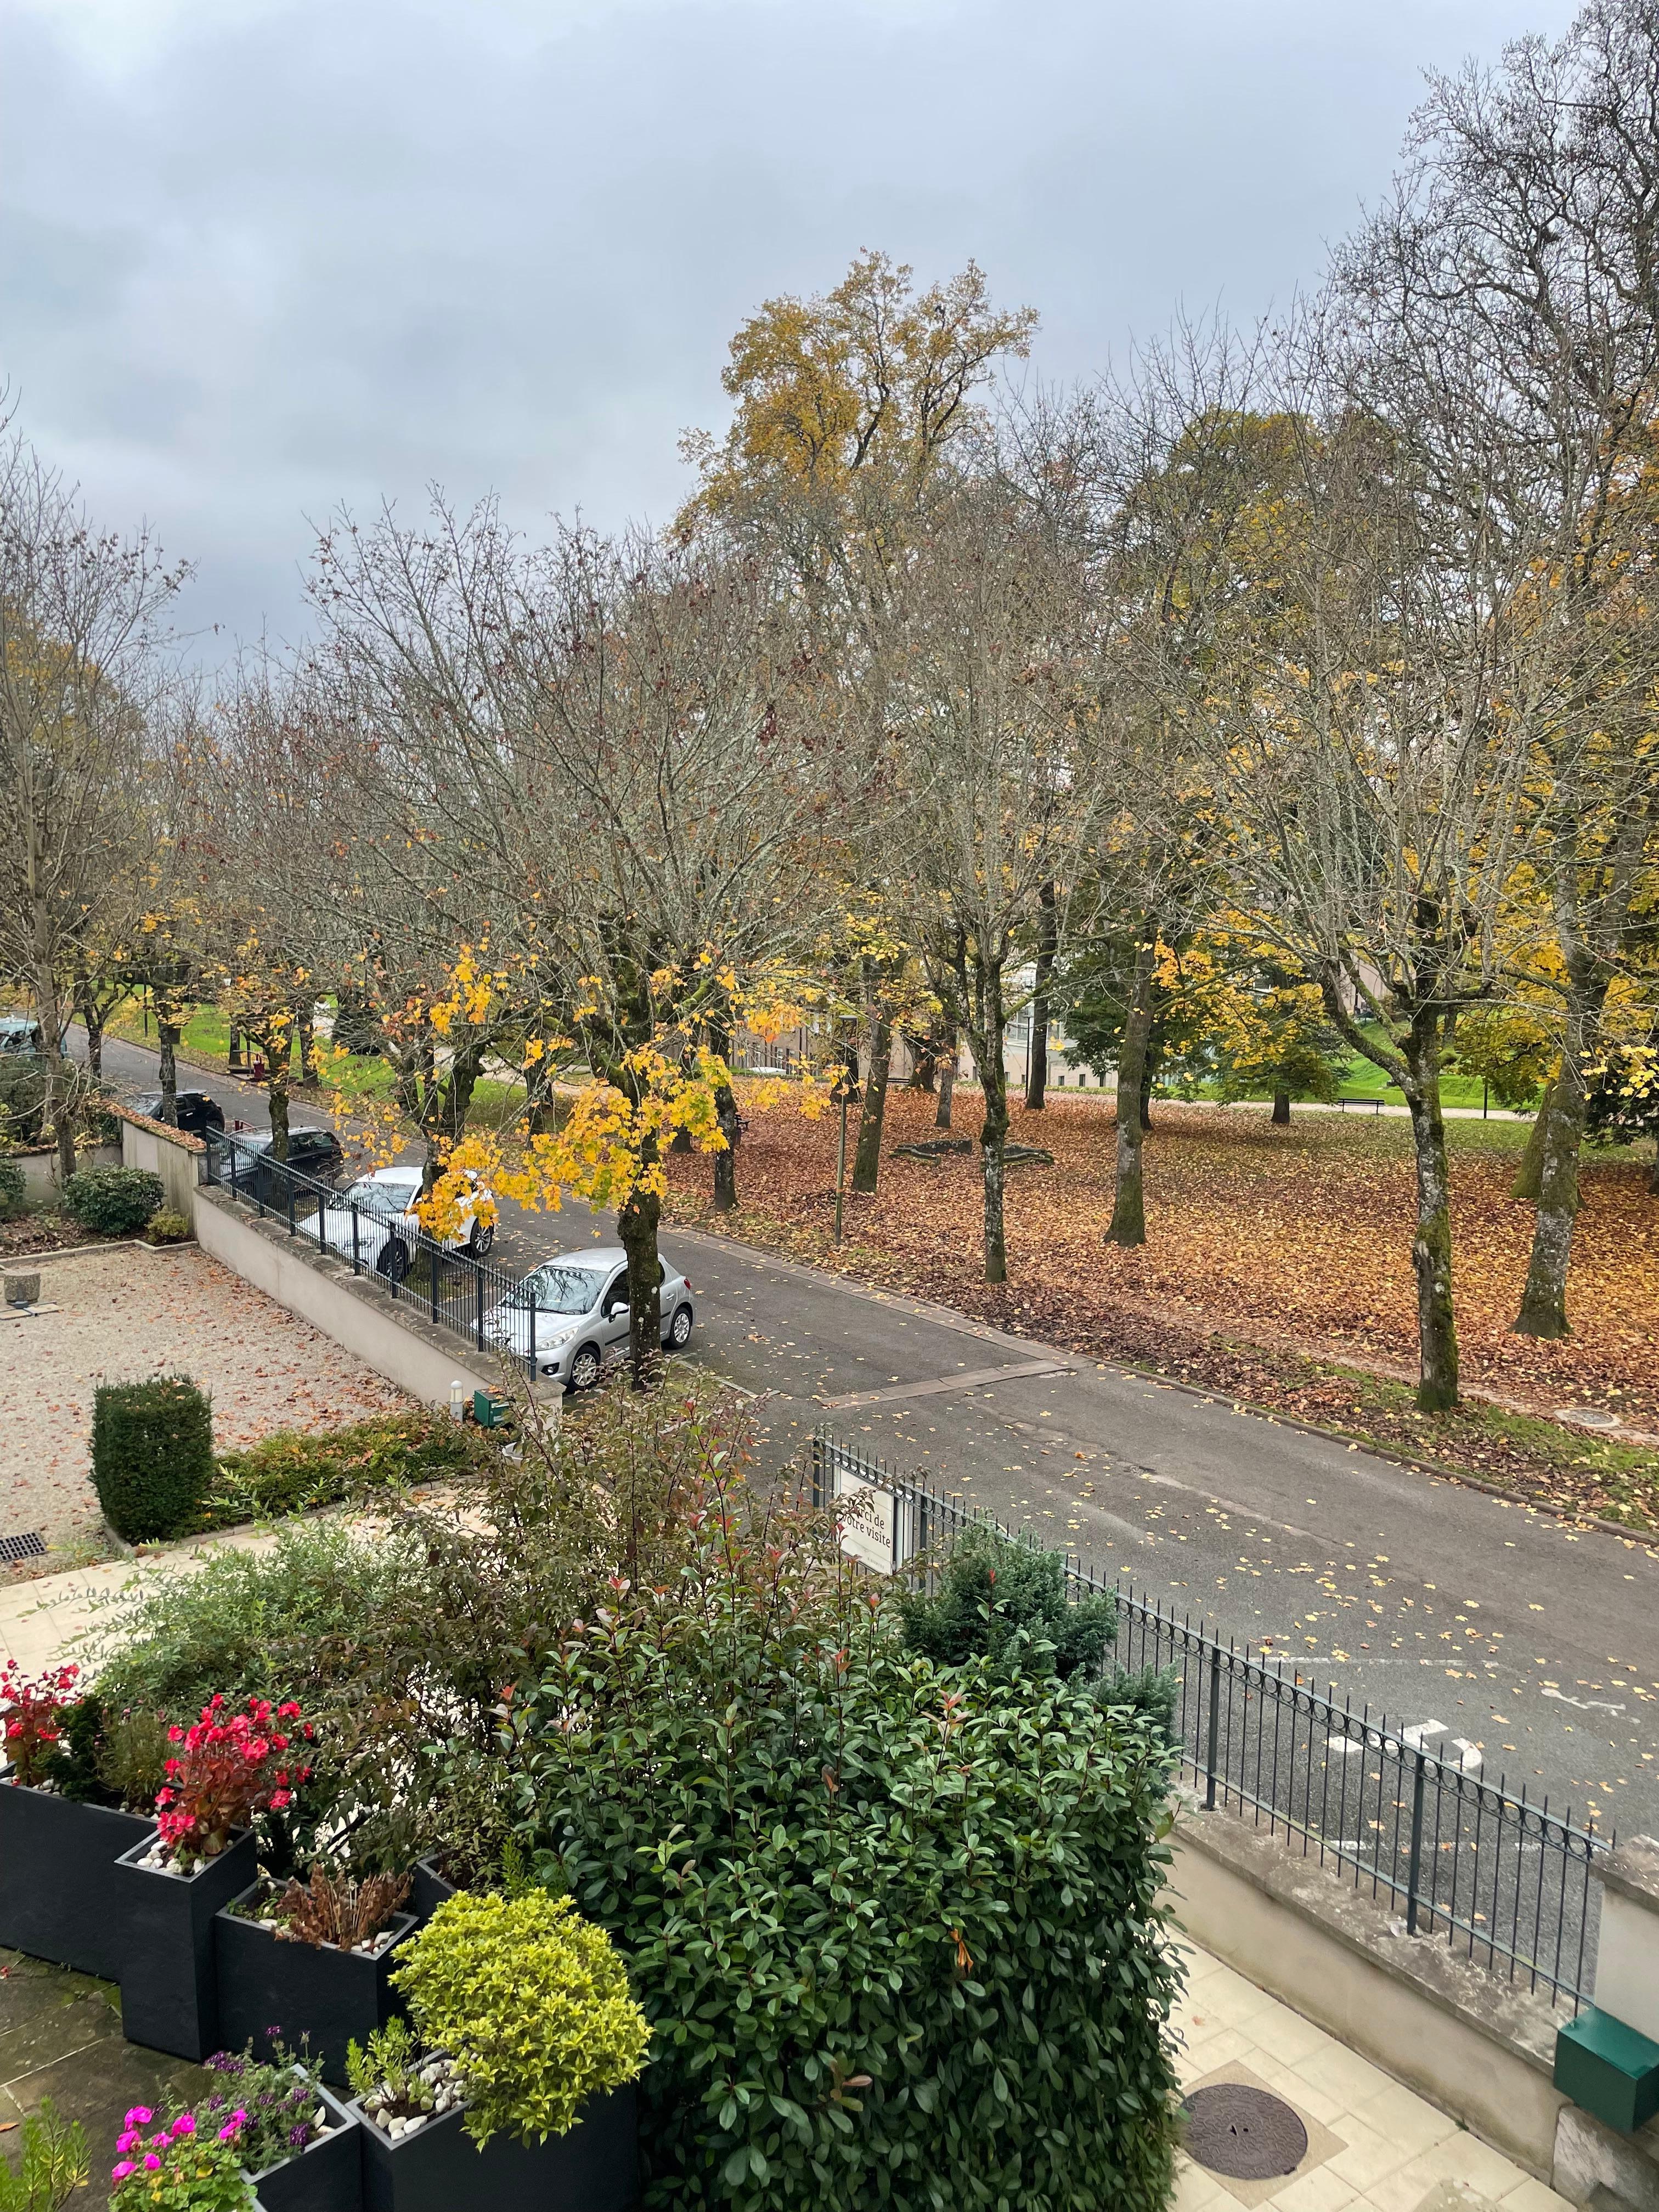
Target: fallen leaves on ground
[[1276, 1267]]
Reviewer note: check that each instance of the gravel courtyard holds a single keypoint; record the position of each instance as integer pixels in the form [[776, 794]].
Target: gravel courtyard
[[125, 1315]]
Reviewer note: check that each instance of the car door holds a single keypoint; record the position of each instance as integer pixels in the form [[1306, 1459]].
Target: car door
[[613, 1314]]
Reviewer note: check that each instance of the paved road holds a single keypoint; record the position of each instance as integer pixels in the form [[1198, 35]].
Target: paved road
[[1535, 1645]]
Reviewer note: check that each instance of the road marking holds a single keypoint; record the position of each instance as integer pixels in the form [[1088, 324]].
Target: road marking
[[1415, 1738], [970, 1379], [1585, 1704]]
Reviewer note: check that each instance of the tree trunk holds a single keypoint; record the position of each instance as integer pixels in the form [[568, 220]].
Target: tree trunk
[[92, 1021], [1431, 1247], [233, 1054], [636, 1227], [167, 1033], [276, 1065], [873, 1112], [725, 1113], [1036, 1063], [1653, 1172], [1544, 1301], [947, 1079], [1282, 1110], [993, 1130], [1528, 1183], [1128, 1223]]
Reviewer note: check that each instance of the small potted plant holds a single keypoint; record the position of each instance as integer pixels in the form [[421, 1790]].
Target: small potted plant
[[64, 1820], [314, 1955], [267, 2135], [515, 2087], [226, 1770]]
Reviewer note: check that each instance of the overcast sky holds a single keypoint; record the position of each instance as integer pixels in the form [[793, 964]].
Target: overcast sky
[[261, 256]]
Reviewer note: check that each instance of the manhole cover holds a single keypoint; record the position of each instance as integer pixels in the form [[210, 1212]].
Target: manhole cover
[[1233, 2129], [28, 1546]]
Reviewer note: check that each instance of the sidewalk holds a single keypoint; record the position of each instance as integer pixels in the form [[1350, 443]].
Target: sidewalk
[[1372, 2145]]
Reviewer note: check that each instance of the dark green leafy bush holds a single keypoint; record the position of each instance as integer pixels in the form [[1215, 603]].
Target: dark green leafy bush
[[152, 1454], [113, 1202], [896, 1931], [13, 1198], [294, 1472], [1006, 1603]]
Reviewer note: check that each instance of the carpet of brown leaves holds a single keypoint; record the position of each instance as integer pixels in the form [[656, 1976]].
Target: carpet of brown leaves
[[1268, 1250]]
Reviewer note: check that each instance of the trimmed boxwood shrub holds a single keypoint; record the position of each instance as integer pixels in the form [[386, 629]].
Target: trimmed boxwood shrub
[[152, 1454], [895, 1926], [13, 1191], [113, 1202]]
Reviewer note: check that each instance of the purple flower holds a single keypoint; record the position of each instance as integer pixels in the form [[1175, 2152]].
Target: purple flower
[[300, 2136]]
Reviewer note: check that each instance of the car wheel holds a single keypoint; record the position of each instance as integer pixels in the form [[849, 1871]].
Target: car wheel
[[481, 1239], [585, 1368], [394, 1262], [679, 1329]]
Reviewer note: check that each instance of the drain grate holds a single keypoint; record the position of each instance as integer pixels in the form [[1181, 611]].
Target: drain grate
[[1233, 2129], [31, 1545]]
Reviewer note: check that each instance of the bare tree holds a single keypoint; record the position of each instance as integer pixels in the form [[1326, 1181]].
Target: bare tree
[[79, 662]]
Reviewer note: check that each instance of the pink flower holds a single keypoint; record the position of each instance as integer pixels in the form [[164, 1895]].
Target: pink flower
[[184, 2124], [140, 2116], [130, 2141], [152, 2164], [120, 2172]]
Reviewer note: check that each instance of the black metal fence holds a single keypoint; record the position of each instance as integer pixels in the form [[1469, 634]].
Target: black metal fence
[[1507, 1882], [491, 1309]]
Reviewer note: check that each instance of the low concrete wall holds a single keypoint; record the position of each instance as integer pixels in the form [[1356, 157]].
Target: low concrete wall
[[352, 1310], [39, 1166], [166, 1153], [1475, 2047]]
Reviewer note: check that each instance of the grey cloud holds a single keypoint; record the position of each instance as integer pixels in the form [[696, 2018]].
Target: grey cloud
[[260, 258]]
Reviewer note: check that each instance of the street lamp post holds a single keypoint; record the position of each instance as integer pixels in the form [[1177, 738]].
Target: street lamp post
[[845, 1091]]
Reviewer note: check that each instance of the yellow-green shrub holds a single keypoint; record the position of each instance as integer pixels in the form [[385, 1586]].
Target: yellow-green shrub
[[530, 2001]]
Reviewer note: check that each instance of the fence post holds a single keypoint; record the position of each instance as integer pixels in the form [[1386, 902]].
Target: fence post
[[478, 1325], [533, 1330], [434, 1262], [1215, 1727], [1414, 1868], [287, 1177], [356, 1242], [322, 1224]]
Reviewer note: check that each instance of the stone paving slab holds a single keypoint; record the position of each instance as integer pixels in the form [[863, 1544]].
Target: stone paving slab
[[125, 1314], [1375, 2146]]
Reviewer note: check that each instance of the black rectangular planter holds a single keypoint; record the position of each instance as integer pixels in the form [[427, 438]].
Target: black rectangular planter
[[429, 1890], [319, 1997], [326, 2178], [57, 1880], [169, 1989], [595, 2168]]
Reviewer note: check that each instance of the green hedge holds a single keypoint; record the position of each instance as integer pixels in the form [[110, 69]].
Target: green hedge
[[152, 1454], [113, 1202], [13, 1198], [896, 1928], [294, 1472]]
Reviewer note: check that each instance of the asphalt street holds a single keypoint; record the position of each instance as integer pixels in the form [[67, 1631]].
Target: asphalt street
[[1525, 1648]]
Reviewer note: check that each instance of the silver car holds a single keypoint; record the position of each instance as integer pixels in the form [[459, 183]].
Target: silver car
[[577, 1307]]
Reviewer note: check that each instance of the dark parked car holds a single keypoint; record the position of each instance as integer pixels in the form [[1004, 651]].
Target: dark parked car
[[197, 1113], [244, 1160]]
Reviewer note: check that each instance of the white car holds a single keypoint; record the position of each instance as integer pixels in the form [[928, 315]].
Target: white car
[[386, 1226], [574, 1311]]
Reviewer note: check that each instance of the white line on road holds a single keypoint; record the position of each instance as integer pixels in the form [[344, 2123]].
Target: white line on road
[[971, 1379]]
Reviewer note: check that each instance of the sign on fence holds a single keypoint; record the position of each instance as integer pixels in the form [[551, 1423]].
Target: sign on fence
[[866, 1526]]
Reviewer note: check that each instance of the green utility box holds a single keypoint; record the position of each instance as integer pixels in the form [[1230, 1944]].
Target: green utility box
[[1610, 2069], [490, 1410]]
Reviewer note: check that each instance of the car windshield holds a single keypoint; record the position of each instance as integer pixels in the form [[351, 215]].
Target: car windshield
[[558, 1289], [381, 1197]]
